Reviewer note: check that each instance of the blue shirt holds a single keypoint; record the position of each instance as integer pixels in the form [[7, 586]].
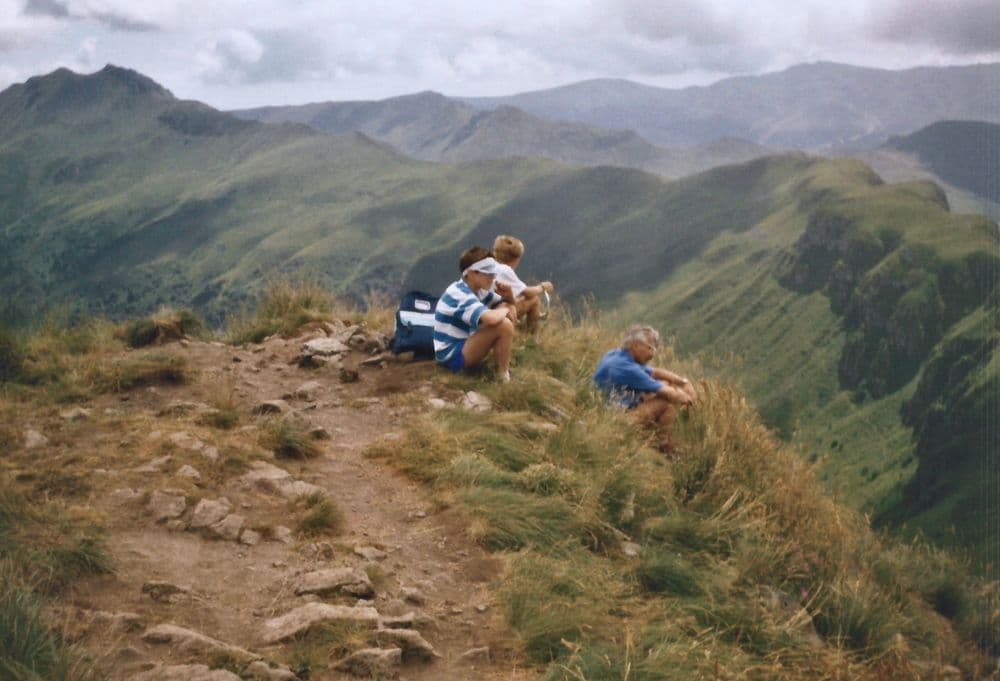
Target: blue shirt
[[623, 380], [456, 317]]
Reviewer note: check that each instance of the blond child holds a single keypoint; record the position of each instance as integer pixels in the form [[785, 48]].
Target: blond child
[[507, 251]]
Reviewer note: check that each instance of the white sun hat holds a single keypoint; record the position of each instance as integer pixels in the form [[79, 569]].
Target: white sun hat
[[486, 266]]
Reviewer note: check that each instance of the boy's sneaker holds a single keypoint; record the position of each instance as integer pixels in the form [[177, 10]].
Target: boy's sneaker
[[505, 377]]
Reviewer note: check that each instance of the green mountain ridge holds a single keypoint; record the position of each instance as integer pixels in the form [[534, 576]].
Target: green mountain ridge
[[847, 308], [963, 153], [432, 127]]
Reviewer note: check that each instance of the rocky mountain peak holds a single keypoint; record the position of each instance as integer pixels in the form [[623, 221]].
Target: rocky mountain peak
[[63, 90]]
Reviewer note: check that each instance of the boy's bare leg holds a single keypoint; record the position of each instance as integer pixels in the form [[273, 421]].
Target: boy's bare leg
[[530, 308], [499, 338]]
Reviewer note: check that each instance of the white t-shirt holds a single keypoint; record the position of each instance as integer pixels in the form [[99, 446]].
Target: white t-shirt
[[506, 275]]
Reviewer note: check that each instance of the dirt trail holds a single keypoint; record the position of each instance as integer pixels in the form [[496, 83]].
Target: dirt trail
[[229, 589]]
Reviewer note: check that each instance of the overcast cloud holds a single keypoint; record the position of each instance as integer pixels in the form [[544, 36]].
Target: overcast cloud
[[232, 53]]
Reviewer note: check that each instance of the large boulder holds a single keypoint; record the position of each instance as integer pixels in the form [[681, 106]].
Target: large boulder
[[165, 504], [270, 478], [208, 512], [413, 645], [191, 642], [349, 581], [376, 663], [304, 618]]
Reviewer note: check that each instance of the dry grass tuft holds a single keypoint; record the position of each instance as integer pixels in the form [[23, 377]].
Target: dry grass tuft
[[288, 438], [286, 306], [163, 327], [319, 515]]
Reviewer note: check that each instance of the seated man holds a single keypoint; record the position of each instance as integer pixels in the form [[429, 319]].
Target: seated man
[[653, 394], [470, 320]]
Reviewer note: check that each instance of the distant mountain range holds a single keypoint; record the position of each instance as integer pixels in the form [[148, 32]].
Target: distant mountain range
[[849, 309], [817, 107], [432, 127]]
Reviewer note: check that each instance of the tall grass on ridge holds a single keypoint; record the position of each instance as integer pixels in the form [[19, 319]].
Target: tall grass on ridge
[[285, 306], [741, 565]]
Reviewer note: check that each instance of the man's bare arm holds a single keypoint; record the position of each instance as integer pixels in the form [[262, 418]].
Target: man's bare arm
[[675, 395], [669, 377]]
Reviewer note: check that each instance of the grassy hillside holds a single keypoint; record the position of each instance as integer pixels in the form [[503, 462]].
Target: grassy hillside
[[964, 153], [124, 198], [861, 318], [729, 562], [826, 291]]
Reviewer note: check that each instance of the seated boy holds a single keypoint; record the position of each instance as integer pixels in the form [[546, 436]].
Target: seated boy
[[508, 251], [655, 395], [470, 319]]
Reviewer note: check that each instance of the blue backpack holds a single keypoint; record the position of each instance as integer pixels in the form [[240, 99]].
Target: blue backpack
[[415, 325]]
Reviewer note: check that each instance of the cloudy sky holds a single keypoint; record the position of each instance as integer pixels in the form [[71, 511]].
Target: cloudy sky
[[233, 54]]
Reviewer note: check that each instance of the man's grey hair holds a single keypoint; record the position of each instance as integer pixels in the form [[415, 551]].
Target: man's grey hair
[[641, 333]]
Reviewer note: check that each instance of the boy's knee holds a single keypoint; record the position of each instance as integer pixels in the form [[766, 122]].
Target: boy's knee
[[507, 327]]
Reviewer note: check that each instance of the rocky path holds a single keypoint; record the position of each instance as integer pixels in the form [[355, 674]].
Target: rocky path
[[211, 579]]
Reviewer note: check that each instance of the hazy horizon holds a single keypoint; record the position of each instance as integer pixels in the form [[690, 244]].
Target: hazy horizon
[[234, 55]]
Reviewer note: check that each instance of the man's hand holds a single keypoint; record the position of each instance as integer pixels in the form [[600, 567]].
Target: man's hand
[[512, 313], [547, 287]]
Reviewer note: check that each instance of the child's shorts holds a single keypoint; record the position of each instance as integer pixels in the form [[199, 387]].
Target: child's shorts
[[456, 362]]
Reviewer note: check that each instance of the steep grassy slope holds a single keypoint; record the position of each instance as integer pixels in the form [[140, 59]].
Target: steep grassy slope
[[964, 153], [895, 166], [826, 291], [877, 318], [123, 198], [728, 562], [432, 127]]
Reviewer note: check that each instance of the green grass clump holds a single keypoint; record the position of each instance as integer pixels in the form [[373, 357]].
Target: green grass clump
[[286, 306], [311, 654], [288, 438], [44, 551], [41, 553], [225, 411], [319, 516], [137, 372], [858, 616], [663, 571], [509, 520], [556, 603], [30, 650]]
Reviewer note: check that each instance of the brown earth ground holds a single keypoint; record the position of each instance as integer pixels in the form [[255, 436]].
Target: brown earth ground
[[228, 588]]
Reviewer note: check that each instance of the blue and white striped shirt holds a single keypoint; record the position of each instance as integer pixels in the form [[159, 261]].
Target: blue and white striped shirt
[[456, 317]]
